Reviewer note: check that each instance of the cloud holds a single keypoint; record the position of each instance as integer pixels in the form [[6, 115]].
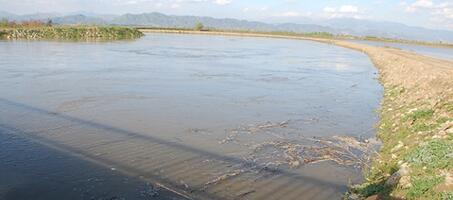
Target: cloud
[[343, 11], [260, 9], [288, 14], [439, 13], [423, 3], [349, 9], [222, 2], [330, 9]]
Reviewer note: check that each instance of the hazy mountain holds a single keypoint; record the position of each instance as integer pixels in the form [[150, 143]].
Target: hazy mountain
[[7, 15], [387, 29], [337, 26], [78, 19], [35, 16]]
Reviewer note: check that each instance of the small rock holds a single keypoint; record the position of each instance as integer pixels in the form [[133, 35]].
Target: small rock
[[374, 197], [396, 177], [405, 182], [449, 131], [404, 169], [393, 179], [294, 164]]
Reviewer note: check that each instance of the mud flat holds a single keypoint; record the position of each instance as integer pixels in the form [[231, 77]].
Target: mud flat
[[416, 125]]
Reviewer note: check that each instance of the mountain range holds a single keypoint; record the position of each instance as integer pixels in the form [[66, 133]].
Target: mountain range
[[350, 26]]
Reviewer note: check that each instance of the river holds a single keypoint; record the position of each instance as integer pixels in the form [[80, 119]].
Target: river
[[211, 117]]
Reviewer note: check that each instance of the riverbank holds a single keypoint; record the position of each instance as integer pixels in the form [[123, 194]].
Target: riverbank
[[416, 126], [70, 33], [416, 121], [324, 35]]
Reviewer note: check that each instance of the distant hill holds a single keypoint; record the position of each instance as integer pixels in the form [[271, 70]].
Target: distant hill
[[336, 26], [388, 29]]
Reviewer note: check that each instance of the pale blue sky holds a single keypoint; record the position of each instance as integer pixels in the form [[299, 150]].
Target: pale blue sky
[[425, 13]]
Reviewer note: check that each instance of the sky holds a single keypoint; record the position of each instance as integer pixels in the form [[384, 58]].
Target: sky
[[436, 14]]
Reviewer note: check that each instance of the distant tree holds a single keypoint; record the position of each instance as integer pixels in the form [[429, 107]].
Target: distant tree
[[4, 22], [199, 26], [49, 22]]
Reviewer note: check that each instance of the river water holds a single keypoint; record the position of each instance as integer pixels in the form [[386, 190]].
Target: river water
[[445, 53], [210, 117]]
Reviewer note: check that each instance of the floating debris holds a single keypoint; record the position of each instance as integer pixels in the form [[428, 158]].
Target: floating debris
[[278, 150], [224, 177]]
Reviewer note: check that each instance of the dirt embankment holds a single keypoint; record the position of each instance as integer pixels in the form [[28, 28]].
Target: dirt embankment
[[416, 125]]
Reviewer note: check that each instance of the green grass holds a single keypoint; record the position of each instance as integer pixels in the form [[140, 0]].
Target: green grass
[[446, 196], [368, 189], [420, 114], [448, 106], [423, 187], [436, 154]]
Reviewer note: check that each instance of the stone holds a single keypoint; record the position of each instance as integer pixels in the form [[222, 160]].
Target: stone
[[396, 177], [374, 197], [393, 179], [405, 182]]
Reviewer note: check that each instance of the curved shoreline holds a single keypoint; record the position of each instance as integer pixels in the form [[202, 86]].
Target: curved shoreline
[[416, 114]]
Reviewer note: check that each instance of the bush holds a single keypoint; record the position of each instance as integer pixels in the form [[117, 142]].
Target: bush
[[4, 22], [199, 26]]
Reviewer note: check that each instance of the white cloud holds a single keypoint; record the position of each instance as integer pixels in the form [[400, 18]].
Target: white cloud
[[222, 2], [288, 14], [419, 4], [255, 9], [329, 9], [423, 3], [349, 9], [343, 11], [439, 13]]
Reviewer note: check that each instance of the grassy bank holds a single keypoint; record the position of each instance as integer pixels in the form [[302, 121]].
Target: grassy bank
[[38, 30], [416, 127]]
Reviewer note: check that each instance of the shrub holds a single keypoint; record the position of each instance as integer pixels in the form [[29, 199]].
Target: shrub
[[199, 26], [4, 22]]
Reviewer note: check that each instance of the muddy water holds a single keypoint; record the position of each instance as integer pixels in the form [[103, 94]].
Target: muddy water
[[445, 53], [31, 170], [210, 117]]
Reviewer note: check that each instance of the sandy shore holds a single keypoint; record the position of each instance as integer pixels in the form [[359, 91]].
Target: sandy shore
[[416, 124]]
